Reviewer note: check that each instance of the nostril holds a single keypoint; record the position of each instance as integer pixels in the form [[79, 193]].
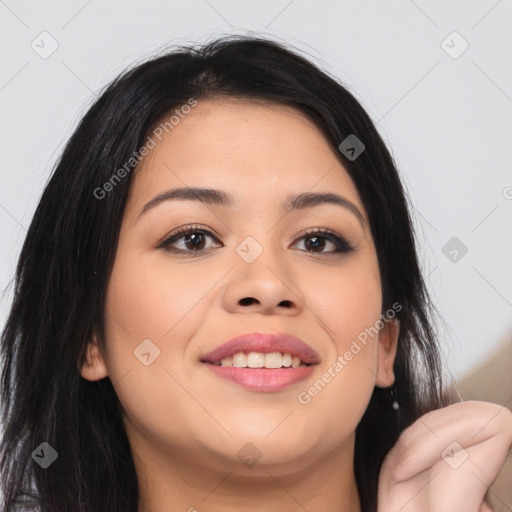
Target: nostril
[[247, 301]]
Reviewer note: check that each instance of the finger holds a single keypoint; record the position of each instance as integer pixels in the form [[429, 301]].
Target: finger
[[460, 488], [448, 434]]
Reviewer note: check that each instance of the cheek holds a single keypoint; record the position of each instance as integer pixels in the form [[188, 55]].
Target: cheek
[[148, 298], [141, 300], [146, 301], [349, 308], [348, 303]]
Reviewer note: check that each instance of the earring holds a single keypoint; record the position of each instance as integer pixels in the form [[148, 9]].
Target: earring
[[395, 404]]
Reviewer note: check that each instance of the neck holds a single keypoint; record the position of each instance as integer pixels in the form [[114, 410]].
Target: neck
[[171, 483]]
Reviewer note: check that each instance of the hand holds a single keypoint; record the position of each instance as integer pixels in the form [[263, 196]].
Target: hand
[[446, 460]]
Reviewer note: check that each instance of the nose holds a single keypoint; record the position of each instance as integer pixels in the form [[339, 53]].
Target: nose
[[264, 286]]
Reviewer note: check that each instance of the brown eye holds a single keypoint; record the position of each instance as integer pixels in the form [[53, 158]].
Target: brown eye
[[190, 238], [316, 240], [194, 239]]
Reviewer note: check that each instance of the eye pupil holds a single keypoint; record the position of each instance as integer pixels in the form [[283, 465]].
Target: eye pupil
[[195, 239], [316, 244]]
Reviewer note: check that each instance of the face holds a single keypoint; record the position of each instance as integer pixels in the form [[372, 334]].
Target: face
[[251, 266]]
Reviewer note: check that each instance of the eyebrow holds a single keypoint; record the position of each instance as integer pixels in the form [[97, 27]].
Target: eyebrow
[[215, 197]]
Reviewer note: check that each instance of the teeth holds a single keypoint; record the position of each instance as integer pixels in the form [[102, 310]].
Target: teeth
[[260, 360], [273, 360], [227, 361], [240, 360], [255, 360]]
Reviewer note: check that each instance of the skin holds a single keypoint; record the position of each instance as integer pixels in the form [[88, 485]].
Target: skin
[[185, 424], [426, 471]]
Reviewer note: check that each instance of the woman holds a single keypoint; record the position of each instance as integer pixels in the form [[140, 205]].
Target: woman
[[219, 305]]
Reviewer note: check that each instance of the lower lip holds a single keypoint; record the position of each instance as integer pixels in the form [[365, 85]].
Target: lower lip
[[264, 380]]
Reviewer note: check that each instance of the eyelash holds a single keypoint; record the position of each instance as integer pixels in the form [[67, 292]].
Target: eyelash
[[342, 246]]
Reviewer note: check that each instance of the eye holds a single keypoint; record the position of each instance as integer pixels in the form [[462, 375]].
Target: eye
[[194, 239], [316, 241]]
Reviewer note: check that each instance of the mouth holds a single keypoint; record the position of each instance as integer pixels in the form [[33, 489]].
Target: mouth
[[263, 362]]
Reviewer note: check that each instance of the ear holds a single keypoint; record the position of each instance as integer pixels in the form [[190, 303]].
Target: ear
[[386, 352], [94, 367]]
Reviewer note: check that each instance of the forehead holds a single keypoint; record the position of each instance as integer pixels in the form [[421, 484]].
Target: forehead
[[256, 150]]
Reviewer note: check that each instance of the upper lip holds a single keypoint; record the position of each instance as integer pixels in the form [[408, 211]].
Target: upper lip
[[264, 343]]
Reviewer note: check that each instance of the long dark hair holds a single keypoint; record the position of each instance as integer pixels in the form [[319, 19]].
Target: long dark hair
[[68, 254]]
